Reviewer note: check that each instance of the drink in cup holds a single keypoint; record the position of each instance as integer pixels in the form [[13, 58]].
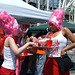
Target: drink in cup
[[49, 43]]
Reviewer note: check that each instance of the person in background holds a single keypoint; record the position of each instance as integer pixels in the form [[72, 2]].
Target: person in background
[[20, 42], [29, 61], [59, 37], [32, 59], [40, 55], [10, 49]]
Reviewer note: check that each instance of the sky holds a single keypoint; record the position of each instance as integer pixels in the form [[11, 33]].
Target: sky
[[55, 3]]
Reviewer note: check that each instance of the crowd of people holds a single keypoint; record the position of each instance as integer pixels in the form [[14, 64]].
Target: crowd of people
[[44, 61]]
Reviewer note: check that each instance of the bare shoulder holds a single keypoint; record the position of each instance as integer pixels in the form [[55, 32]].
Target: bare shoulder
[[10, 38], [66, 30]]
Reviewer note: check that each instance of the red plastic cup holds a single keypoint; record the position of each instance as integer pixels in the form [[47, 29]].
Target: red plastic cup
[[49, 43], [26, 52]]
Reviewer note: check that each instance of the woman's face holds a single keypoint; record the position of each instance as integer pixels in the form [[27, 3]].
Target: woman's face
[[53, 28]]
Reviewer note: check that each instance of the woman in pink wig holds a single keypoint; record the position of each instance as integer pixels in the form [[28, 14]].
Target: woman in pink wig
[[9, 47], [59, 37]]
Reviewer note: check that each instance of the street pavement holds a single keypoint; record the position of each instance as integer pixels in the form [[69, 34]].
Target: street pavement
[[72, 72]]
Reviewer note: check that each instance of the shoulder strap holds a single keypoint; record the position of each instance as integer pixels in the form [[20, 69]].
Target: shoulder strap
[[50, 35]]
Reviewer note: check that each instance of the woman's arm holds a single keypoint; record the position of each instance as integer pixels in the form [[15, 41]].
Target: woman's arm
[[67, 33], [14, 47], [67, 48]]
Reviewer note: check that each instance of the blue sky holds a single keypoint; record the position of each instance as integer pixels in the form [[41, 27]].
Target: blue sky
[[55, 3]]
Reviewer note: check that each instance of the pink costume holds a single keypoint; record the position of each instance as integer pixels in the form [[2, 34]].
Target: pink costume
[[59, 42], [9, 25]]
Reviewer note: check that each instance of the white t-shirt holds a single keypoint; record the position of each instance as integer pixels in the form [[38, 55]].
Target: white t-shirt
[[58, 43]]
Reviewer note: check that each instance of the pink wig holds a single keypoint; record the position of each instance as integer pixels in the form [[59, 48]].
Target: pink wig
[[8, 23], [57, 18]]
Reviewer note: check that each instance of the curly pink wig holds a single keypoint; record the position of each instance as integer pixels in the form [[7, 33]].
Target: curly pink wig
[[57, 18], [8, 24]]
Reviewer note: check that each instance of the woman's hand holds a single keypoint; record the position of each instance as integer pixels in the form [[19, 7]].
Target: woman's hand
[[31, 44], [62, 52]]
